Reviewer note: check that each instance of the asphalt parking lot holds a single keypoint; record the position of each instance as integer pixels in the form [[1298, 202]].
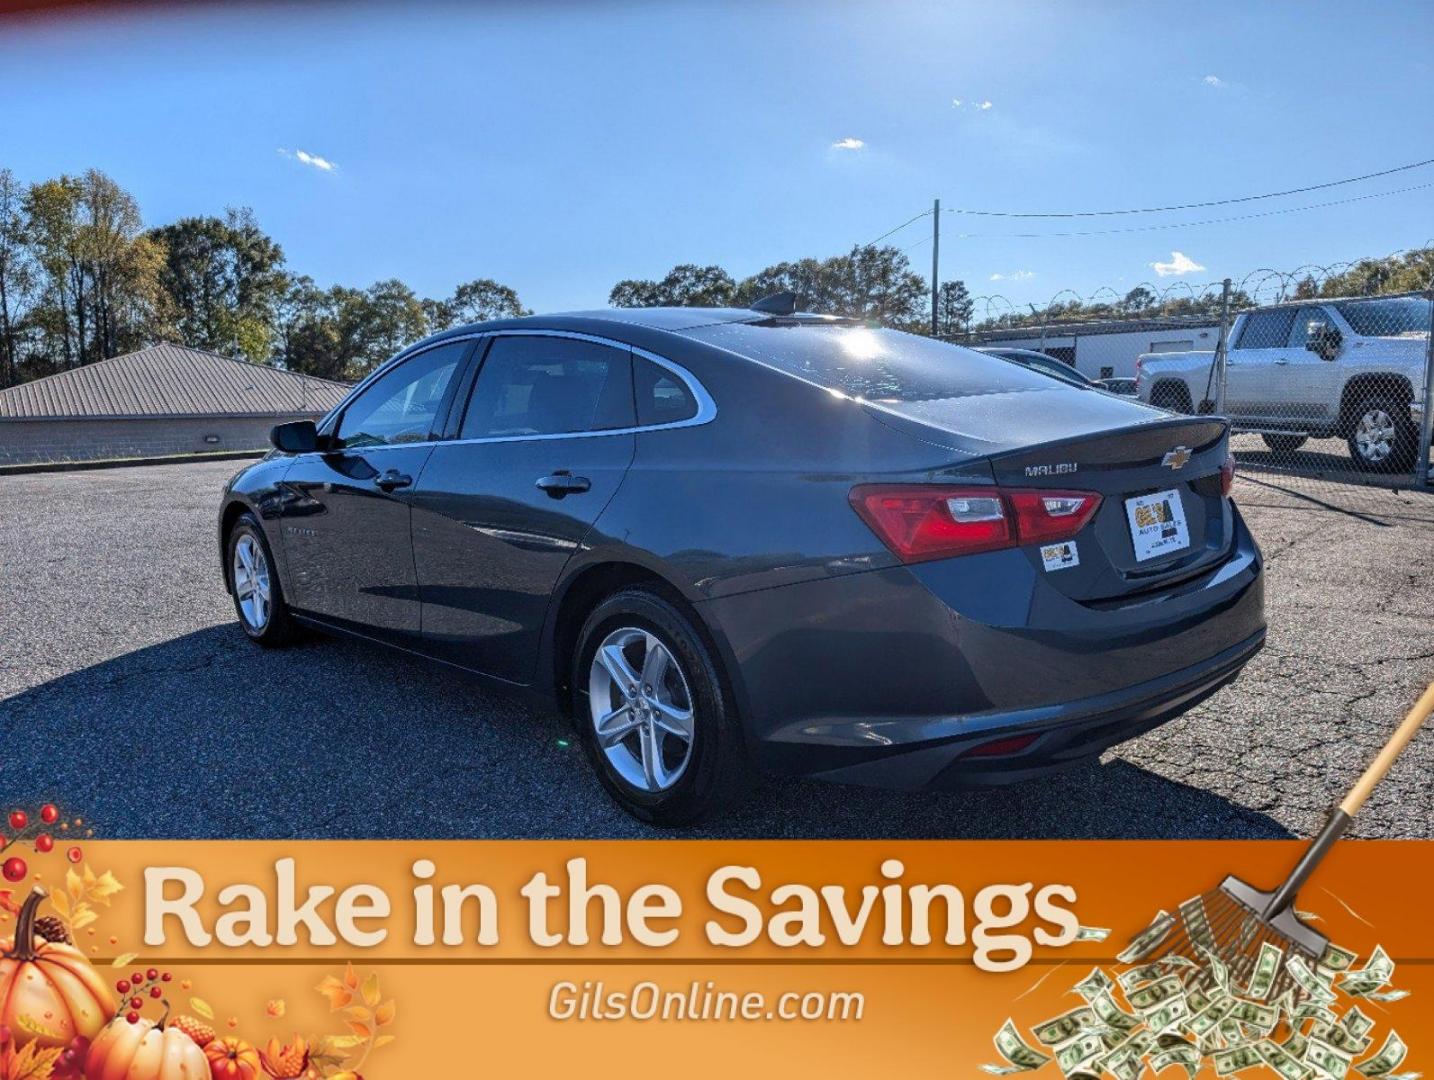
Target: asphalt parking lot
[[128, 693]]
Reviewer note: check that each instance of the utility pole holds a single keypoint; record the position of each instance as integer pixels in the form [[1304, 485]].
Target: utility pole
[[935, 265], [1222, 351]]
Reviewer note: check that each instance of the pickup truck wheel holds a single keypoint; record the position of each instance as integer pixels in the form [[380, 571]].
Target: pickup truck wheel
[[1172, 397], [1285, 444], [1383, 439]]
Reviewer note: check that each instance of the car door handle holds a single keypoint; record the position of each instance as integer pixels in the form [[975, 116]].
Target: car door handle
[[393, 479], [562, 482], [1281, 362]]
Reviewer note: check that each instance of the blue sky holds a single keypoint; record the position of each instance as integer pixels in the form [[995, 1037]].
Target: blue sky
[[559, 147]]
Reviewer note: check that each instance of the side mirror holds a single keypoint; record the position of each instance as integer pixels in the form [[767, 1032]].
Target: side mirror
[[1324, 341], [295, 437]]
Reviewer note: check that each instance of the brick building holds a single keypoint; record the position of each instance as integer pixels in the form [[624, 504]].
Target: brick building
[[166, 399]]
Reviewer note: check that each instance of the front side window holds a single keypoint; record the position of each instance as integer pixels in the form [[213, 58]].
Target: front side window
[[1268, 329], [401, 406], [1309, 321], [549, 386]]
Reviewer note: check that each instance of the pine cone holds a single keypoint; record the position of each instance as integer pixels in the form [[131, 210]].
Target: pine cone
[[52, 929]]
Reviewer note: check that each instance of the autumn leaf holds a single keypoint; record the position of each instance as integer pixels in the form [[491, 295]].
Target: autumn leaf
[[84, 915], [202, 1007], [103, 888], [359, 1013], [351, 979], [276, 1008], [384, 1014], [371, 993], [363, 1031], [74, 885], [33, 1063], [123, 960], [383, 1040], [338, 994], [7, 901], [343, 1042], [61, 903]]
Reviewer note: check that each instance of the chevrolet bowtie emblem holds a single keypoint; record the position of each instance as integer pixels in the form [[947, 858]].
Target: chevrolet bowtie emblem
[[1176, 459]]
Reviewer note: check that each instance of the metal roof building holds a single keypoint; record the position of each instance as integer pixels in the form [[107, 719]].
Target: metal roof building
[[165, 399]]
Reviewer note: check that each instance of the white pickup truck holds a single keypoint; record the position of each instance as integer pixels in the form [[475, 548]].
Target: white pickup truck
[[1349, 368]]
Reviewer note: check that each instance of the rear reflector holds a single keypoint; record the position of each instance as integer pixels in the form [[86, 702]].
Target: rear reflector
[[1013, 744], [929, 521]]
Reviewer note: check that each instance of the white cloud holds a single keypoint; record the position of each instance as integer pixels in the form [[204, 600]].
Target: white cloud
[[955, 103], [848, 144], [983, 105], [979, 106], [1014, 275], [1179, 263], [312, 160], [1213, 80]]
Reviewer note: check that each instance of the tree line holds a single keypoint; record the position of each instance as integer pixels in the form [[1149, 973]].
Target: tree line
[[82, 279]]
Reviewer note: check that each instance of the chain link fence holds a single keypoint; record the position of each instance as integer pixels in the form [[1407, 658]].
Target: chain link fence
[[1326, 373]]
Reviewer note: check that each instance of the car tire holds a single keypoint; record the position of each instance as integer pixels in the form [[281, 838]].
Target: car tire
[[1172, 398], [259, 603], [639, 755], [1285, 444], [1381, 437]]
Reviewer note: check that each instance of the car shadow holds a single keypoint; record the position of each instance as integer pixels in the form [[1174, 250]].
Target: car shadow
[[206, 735]]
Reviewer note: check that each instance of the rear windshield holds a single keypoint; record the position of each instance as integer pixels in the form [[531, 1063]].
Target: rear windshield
[[874, 365], [1386, 318]]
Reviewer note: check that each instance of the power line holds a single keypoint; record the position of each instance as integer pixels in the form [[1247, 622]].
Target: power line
[[892, 232], [1185, 206], [1192, 224]]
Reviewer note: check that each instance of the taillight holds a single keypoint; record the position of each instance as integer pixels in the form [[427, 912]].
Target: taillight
[[920, 522], [1227, 475], [1012, 744]]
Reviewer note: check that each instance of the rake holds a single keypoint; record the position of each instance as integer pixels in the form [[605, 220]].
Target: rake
[[1232, 922]]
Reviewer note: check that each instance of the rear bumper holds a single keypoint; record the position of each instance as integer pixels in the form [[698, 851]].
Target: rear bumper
[[871, 679]]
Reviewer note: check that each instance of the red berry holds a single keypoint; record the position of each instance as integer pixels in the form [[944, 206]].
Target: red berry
[[136, 1003], [19, 819], [132, 1017], [49, 813], [152, 974], [14, 869], [137, 978], [122, 986], [155, 991], [74, 854], [44, 843], [166, 977]]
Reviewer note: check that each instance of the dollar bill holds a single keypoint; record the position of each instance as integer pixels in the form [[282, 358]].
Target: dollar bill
[[1079, 1052], [1282, 1061], [1209, 1018], [1144, 973], [1340, 1037], [1186, 1056], [1149, 939], [1267, 966], [1020, 1056], [1336, 959], [1355, 1022], [1296, 1044], [1308, 981], [1152, 995], [1217, 969], [1094, 984], [1112, 1015], [1168, 1015], [1313, 1010], [1329, 1060], [1389, 1058], [1236, 1058], [1257, 1015], [1197, 923], [1092, 933], [1376, 973], [1387, 995], [1063, 1028]]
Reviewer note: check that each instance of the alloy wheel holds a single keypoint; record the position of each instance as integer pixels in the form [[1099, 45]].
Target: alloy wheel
[[641, 709], [1375, 435], [251, 582]]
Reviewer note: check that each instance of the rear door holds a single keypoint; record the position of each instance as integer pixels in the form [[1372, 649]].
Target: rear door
[[1255, 365], [345, 516], [542, 445]]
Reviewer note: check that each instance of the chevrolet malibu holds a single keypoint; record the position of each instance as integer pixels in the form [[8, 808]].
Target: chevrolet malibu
[[736, 540]]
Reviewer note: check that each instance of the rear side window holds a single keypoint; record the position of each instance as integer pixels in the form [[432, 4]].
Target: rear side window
[[662, 398], [873, 364], [1389, 317], [549, 386], [1267, 329]]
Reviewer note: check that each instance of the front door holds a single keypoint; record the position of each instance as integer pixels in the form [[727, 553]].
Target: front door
[[1308, 384], [346, 518], [1252, 371], [544, 442]]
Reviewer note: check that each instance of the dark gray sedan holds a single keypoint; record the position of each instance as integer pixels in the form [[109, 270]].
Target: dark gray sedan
[[729, 540]]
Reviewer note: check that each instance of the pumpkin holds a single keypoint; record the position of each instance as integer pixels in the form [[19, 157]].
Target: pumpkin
[[232, 1059], [144, 1050], [49, 994]]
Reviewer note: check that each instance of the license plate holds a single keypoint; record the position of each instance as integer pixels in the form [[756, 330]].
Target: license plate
[[1157, 524]]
